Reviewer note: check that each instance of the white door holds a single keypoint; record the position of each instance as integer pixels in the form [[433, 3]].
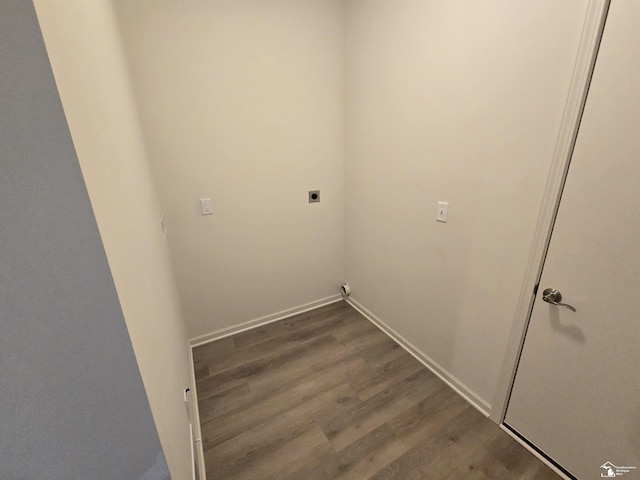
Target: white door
[[576, 395]]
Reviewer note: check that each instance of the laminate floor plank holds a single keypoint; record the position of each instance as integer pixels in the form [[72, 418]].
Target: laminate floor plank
[[363, 339], [405, 467], [428, 418], [383, 353], [366, 455], [288, 325], [377, 410], [274, 403], [256, 467], [298, 367], [354, 325], [204, 357], [326, 395], [267, 365], [357, 461], [501, 457], [261, 440], [224, 402], [457, 441], [256, 351], [338, 372], [384, 376]]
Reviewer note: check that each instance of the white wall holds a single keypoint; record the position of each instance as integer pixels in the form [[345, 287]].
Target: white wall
[[243, 102], [459, 102], [85, 53]]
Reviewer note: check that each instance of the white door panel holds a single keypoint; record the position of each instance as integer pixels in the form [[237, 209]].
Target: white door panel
[[576, 394]]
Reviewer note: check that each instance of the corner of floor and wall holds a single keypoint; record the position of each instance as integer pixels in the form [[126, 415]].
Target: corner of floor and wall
[[386, 108]]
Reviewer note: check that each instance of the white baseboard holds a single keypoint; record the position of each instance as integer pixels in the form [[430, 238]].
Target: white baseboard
[[258, 322], [194, 464], [195, 422], [465, 392]]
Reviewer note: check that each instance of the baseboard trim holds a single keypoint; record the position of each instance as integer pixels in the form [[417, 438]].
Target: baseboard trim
[[258, 322], [195, 420], [465, 392]]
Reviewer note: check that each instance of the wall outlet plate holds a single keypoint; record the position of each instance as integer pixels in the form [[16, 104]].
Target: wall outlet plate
[[314, 196], [206, 205]]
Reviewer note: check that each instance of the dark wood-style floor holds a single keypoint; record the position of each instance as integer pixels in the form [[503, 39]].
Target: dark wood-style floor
[[327, 395]]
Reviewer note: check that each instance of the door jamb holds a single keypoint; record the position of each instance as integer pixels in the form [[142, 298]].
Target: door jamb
[[583, 71]]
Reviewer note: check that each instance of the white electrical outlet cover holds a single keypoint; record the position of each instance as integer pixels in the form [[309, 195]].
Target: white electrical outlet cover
[[206, 205]]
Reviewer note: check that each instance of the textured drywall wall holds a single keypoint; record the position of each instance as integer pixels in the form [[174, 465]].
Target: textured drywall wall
[[243, 102], [73, 403], [458, 102], [84, 47]]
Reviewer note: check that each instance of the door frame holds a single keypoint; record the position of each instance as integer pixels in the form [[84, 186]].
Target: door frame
[[593, 28]]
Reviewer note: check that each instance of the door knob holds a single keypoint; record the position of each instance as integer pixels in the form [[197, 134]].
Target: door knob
[[554, 297]]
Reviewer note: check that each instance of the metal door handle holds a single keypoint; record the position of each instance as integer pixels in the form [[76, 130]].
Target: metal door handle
[[554, 297]]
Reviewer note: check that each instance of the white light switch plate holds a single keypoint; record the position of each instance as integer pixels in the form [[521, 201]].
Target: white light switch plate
[[442, 213], [206, 205]]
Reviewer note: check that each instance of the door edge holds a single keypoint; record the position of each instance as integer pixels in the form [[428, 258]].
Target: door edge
[[536, 452], [592, 31]]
